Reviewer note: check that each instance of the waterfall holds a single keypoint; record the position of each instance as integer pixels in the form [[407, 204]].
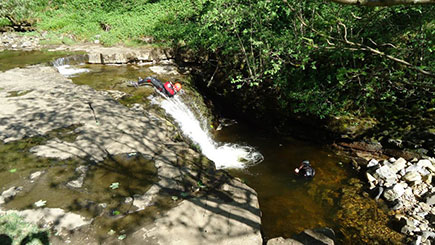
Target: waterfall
[[64, 65], [224, 155]]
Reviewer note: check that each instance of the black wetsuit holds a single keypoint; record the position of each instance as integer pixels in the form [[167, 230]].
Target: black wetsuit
[[306, 170]]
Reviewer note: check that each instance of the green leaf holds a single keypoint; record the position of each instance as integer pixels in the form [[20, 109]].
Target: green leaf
[[13, 170]]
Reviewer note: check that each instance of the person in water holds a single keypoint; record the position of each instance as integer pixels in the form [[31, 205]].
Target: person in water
[[305, 169], [167, 88]]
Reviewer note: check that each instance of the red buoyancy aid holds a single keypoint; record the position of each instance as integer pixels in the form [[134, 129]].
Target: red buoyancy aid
[[169, 88]]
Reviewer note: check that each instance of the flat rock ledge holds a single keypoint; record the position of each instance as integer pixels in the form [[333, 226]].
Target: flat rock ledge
[[97, 54], [407, 186], [54, 102]]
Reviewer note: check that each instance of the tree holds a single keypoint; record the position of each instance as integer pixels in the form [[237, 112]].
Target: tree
[[372, 3]]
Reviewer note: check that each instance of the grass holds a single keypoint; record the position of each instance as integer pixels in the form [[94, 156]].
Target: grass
[[109, 27]]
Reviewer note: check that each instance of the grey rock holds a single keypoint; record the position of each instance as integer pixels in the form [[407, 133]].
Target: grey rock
[[36, 175], [282, 241], [398, 165], [385, 173], [372, 163], [418, 240], [426, 163], [409, 229], [430, 200], [427, 234], [9, 194], [412, 177], [394, 193], [372, 180], [392, 159]]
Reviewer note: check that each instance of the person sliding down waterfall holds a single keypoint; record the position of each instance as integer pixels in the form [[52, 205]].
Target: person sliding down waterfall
[[166, 88], [305, 170]]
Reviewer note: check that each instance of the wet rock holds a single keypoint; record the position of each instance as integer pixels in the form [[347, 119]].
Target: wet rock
[[9, 194], [36, 175], [78, 183]]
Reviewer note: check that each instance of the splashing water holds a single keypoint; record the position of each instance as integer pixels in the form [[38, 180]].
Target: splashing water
[[64, 65], [225, 155]]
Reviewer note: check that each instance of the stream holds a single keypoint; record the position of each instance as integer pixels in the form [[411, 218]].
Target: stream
[[264, 161]]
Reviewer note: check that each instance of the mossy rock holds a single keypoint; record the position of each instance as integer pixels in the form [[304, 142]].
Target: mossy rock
[[350, 127]]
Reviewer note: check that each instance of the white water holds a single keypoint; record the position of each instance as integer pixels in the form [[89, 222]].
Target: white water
[[63, 65], [224, 155]]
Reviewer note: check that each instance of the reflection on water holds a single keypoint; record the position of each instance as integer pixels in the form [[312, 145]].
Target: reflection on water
[[289, 203]]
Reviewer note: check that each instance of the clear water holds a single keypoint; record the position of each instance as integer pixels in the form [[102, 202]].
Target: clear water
[[290, 203]]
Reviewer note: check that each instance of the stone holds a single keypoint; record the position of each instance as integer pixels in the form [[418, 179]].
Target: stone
[[392, 159], [427, 234], [95, 58], [36, 175], [426, 163], [282, 241], [372, 180], [9, 194], [394, 193], [418, 240], [428, 179], [412, 177], [385, 173], [430, 200], [372, 163], [398, 165], [419, 190], [409, 229], [78, 183]]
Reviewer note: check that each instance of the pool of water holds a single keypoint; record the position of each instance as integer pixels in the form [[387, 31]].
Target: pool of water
[[290, 203]]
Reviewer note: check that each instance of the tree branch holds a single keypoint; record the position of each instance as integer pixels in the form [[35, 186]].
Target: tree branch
[[373, 3]]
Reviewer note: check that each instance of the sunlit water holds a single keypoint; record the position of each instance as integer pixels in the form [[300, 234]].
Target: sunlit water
[[224, 155], [65, 65]]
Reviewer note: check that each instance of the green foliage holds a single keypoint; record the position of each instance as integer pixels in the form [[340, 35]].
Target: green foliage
[[21, 232], [19, 11], [309, 57]]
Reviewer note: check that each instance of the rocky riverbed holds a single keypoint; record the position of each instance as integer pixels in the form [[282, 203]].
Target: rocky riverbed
[[408, 189]]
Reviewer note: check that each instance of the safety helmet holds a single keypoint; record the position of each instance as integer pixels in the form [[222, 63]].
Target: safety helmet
[[306, 162], [177, 86]]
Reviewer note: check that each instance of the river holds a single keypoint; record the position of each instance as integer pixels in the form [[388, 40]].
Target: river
[[289, 203]]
